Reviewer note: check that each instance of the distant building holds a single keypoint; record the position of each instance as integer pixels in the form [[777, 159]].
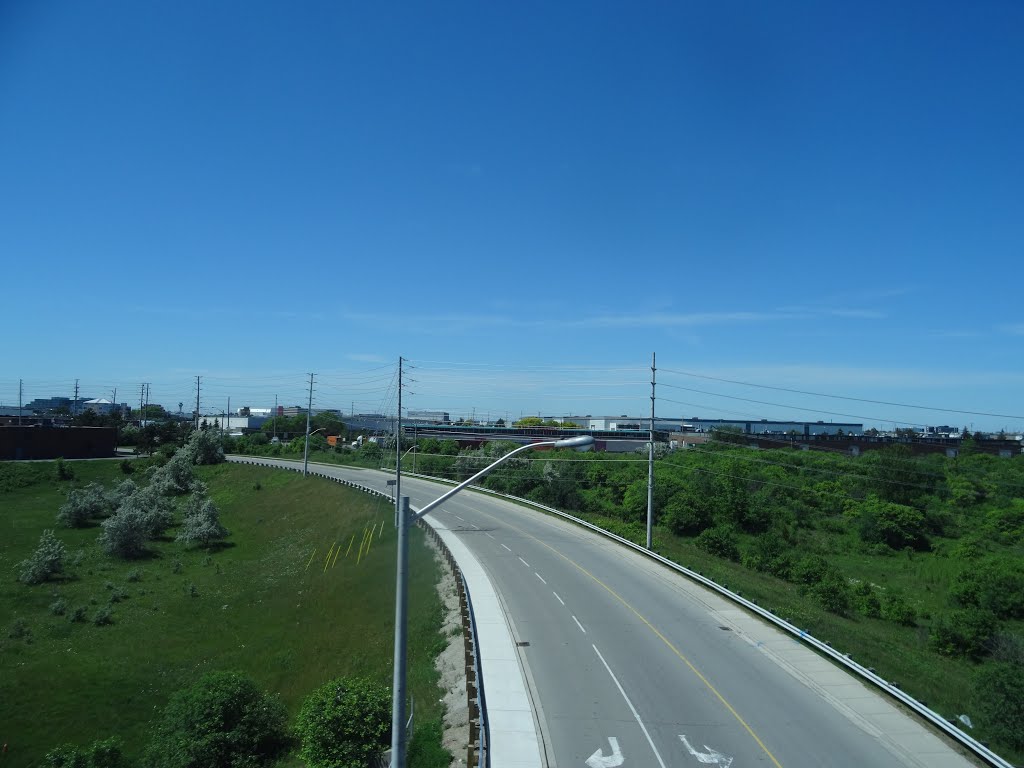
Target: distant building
[[103, 407], [431, 417]]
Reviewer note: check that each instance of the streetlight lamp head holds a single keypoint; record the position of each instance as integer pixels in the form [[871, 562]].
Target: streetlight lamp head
[[580, 443]]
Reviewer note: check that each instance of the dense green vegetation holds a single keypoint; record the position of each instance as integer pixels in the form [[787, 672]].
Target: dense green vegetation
[[111, 651], [912, 564]]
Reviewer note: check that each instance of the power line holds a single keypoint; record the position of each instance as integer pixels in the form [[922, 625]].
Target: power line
[[843, 397]]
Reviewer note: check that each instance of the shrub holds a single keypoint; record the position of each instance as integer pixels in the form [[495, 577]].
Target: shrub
[[810, 569], [124, 535], [720, 541], [222, 720], [688, 514], [866, 601], [769, 553], [202, 523], [105, 753], [344, 723], [82, 505], [121, 493], [833, 593], [895, 608], [19, 630], [59, 606], [127, 467], [174, 478], [963, 633], [895, 525], [999, 695], [103, 616], [64, 470], [143, 515], [134, 575], [77, 615], [996, 584], [46, 560], [204, 447]]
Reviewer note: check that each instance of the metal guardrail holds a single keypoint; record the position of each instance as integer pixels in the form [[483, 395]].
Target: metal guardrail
[[478, 752], [920, 709]]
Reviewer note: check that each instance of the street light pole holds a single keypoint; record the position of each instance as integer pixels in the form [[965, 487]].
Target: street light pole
[[309, 416], [405, 519], [305, 463]]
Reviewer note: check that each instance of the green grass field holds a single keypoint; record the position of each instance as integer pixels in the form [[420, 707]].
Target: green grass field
[[287, 601]]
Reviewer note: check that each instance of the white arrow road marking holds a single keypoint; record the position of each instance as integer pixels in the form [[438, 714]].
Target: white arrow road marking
[[615, 759], [632, 709], [711, 757]]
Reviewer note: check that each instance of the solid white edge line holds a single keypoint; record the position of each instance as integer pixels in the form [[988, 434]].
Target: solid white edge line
[[523, 562], [539, 577], [558, 598], [581, 627], [630, 704], [506, 547]]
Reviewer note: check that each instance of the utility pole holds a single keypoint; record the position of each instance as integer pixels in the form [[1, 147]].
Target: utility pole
[[113, 402], [142, 399], [309, 416], [225, 422], [197, 402], [74, 404], [20, 382], [275, 415], [398, 446], [650, 462]]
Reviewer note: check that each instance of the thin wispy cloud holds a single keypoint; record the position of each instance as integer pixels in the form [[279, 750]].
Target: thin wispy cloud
[[1016, 329], [670, 320], [365, 358]]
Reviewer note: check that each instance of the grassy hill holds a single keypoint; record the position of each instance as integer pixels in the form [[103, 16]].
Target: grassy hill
[[268, 603]]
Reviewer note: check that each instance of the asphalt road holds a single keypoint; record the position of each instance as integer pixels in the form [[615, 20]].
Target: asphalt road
[[629, 664]]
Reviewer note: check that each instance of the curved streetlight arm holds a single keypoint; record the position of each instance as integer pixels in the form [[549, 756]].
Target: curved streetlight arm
[[581, 443], [405, 519]]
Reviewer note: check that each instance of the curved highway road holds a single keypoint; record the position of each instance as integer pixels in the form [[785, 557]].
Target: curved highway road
[[629, 664]]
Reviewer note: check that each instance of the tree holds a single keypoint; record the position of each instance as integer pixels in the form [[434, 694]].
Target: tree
[[46, 560], [176, 477], [345, 723], [124, 535], [896, 525], [144, 515], [688, 513], [202, 523], [204, 447], [82, 505], [221, 721], [529, 421], [999, 698]]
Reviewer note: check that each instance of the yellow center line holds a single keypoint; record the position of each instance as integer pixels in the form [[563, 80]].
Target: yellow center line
[[653, 629]]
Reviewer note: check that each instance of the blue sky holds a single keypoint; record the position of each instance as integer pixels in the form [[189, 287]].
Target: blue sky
[[524, 199]]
